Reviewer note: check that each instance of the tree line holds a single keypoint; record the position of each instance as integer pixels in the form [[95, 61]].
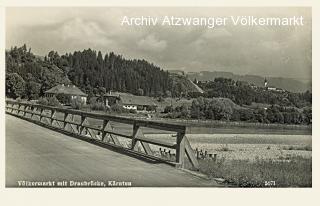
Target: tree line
[[89, 70], [243, 93], [224, 109], [28, 76]]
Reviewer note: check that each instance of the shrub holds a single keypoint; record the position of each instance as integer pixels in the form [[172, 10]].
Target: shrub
[[215, 109], [118, 109], [49, 101], [42, 101], [151, 108], [15, 85], [160, 99], [98, 106], [77, 103], [182, 111], [53, 101], [133, 111], [32, 90], [168, 109]]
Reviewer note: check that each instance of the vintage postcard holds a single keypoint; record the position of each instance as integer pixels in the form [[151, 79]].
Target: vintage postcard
[[148, 96]]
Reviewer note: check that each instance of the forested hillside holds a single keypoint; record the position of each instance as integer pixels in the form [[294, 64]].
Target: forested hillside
[[243, 93], [288, 84], [27, 76], [89, 70]]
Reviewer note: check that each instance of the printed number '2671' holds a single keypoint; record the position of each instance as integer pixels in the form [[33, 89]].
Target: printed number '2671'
[[269, 183]]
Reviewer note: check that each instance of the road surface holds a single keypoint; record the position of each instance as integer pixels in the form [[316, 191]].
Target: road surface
[[37, 154]]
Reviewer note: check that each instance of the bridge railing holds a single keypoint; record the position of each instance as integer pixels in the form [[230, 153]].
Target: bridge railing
[[103, 128]]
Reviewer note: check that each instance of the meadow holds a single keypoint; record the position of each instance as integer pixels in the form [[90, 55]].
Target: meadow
[[254, 160]]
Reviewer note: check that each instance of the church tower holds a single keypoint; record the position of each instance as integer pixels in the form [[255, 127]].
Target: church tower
[[265, 82]]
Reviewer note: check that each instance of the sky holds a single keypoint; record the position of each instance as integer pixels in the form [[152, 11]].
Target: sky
[[277, 51]]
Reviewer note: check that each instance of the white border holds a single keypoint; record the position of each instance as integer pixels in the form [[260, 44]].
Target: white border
[[168, 196]]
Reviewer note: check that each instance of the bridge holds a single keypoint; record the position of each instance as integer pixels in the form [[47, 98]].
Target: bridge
[[54, 144]]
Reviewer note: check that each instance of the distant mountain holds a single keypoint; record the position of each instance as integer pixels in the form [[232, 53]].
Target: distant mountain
[[288, 84]]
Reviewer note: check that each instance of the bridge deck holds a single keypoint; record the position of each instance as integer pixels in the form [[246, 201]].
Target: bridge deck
[[35, 153]]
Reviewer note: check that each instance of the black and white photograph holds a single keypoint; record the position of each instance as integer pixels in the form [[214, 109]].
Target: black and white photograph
[[125, 97]]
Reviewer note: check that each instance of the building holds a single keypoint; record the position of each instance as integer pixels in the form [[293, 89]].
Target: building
[[130, 101], [66, 93], [272, 88], [253, 86]]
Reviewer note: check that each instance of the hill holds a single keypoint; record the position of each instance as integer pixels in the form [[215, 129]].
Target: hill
[[87, 69], [28, 76], [182, 85], [288, 84]]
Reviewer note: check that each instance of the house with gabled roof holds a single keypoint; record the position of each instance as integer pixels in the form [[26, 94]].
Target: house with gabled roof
[[66, 93], [130, 101]]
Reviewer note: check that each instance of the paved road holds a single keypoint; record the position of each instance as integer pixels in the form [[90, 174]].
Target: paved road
[[34, 153]]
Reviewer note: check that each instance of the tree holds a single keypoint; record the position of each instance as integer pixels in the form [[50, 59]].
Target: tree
[[32, 90], [184, 111], [243, 94], [168, 109], [307, 112], [260, 115], [140, 92], [220, 110], [102, 91], [15, 85], [196, 110], [274, 115], [168, 93], [246, 115], [99, 58]]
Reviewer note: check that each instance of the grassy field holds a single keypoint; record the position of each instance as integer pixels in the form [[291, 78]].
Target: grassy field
[[254, 160], [293, 172]]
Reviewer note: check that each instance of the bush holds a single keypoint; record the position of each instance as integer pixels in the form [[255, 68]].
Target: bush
[[77, 103], [42, 101], [160, 99], [15, 85], [118, 109], [297, 172], [151, 108], [246, 115], [168, 109], [133, 111], [215, 109], [53, 101], [32, 90], [49, 101], [98, 106]]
